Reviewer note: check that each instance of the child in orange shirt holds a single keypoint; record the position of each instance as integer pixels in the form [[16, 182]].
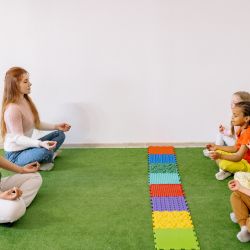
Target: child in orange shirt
[[231, 159], [226, 136]]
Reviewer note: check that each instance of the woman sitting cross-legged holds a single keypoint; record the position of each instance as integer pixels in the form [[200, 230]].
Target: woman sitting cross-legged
[[20, 117]]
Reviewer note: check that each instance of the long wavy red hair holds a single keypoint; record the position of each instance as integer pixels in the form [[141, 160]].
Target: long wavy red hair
[[11, 94]]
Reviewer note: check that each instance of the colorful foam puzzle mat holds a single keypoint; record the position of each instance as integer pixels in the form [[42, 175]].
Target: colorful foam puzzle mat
[[172, 222]]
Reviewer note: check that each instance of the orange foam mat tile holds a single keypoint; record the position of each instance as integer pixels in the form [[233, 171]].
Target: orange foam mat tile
[[161, 150]]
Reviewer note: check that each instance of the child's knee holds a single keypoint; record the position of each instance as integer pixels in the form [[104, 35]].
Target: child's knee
[[11, 210], [38, 179], [221, 165], [234, 196]]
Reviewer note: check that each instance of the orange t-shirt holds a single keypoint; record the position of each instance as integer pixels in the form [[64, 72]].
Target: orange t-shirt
[[243, 139]]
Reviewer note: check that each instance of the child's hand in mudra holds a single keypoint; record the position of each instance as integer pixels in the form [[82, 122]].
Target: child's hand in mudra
[[11, 194], [221, 128], [214, 155], [211, 147], [234, 185]]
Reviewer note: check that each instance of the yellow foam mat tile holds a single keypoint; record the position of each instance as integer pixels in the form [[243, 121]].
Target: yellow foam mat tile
[[174, 219]]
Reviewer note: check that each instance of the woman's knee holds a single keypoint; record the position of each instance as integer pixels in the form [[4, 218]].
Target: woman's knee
[[11, 211], [61, 135]]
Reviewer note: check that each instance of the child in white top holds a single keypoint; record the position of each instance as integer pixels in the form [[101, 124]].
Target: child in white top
[[20, 117], [17, 191]]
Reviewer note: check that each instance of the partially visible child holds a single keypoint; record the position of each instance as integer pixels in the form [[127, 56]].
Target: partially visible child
[[240, 202], [17, 191], [226, 136], [231, 159]]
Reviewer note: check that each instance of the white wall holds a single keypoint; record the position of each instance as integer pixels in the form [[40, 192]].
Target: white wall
[[131, 70]]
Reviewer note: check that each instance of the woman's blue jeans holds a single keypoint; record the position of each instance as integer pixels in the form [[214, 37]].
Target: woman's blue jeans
[[42, 155]]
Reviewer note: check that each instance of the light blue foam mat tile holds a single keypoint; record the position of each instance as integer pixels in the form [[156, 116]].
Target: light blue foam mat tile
[[164, 178]]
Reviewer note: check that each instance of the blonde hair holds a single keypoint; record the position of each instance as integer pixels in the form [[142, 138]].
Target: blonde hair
[[11, 94], [243, 95]]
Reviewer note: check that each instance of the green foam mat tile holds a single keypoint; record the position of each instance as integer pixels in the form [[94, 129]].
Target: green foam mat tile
[[163, 168], [179, 238]]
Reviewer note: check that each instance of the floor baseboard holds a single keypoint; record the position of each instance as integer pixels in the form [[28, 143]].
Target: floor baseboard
[[132, 145], [135, 145]]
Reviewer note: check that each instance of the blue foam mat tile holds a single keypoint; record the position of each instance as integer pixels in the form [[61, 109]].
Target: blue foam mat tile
[[163, 158]]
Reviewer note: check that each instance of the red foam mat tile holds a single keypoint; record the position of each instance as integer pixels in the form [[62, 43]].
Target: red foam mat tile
[[157, 190]]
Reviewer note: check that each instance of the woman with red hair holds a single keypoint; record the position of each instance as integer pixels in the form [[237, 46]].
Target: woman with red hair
[[20, 117]]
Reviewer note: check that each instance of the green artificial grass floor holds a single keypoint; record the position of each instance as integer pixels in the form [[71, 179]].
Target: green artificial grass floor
[[99, 199], [92, 199]]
